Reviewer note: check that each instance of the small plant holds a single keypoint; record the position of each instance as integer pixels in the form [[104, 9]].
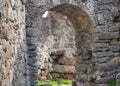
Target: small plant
[[55, 82], [40, 83], [112, 82], [64, 81]]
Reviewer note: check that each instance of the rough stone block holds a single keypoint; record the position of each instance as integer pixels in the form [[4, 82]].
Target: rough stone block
[[32, 60], [55, 75], [82, 68], [57, 52], [109, 1], [64, 69], [33, 69], [102, 84], [31, 40], [108, 36], [115, 48], [107, 66], [101, 45], [101, 19], [67, 61], [32, 53], [31, 47], [103, 54], [105, 79], [117, 43]]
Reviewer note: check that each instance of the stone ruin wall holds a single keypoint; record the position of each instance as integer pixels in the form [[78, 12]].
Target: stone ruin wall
[[57, 48], [104, 64], [13, 71], [19, 62]]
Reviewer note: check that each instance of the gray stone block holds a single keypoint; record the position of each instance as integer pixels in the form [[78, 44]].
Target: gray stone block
[[115, 48], [101, 45], [31, 40], [108, 36], [107, 66], [64, 69], [32, 53], [33, 69], [31, 47], [32, 60], [116, 43], [101, 19], [103, 54]]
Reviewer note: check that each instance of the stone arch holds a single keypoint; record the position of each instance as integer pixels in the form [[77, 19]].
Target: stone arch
[[73, 12], [106, 36], [84, 30]]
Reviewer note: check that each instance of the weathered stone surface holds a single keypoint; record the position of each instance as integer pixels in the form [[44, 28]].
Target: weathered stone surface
[[107, 66], [31, 47], [108, 36], [13, 66], [67, 76], [57, 52], [33, 69], [55, 75], [32, 53], [115, 43], [115, 48], [67, 61], [101, 45], [118, 76], [105, 79], [31, 40], [101, 19], [88, 84], [63, 36], [57, 32], [114, 28], [109, 1], [103, 54], [64, 69], [102, 84], [116, 59], [82, 68]]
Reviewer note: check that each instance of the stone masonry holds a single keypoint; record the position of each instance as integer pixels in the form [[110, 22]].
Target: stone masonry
[[97, 58], [78, 40], [13, 67]]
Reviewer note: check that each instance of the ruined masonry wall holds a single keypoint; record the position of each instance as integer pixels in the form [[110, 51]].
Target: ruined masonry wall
[[104, 64], [19, 54], [13, 70]]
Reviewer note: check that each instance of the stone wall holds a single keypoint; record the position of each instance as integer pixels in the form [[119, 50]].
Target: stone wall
[[67, 32], [13, 69], [102, 63], [57, 47]]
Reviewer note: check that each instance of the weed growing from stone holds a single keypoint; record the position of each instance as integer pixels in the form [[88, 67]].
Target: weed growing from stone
[[112, 82], [55, 82]]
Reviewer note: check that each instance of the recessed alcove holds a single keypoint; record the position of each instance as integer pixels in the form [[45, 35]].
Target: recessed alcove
[[64, 41]]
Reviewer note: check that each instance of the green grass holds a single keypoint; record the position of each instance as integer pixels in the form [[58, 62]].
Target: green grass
[[55, 82], [112, 82]]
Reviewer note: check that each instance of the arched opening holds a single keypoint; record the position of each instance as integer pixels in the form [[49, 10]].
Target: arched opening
[[65, 43]]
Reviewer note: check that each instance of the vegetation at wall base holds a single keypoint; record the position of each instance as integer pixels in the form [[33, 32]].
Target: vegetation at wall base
[[112, 82], [55, 82]]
